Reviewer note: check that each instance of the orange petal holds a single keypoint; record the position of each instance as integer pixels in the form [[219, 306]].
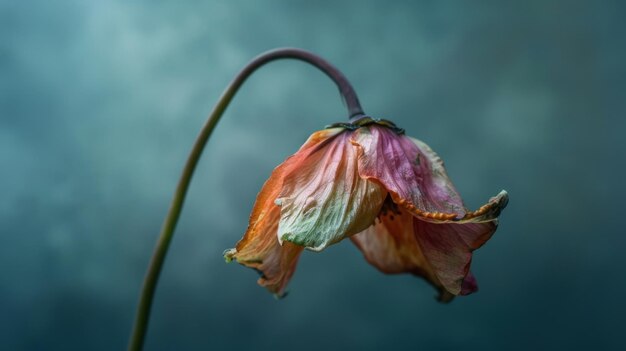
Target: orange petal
[[259, 248]]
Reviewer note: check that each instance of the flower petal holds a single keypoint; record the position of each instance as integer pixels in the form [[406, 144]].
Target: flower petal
[[391, 246], [325, 200], [259, 248], [416, 178], [448, 249], [412, 173]]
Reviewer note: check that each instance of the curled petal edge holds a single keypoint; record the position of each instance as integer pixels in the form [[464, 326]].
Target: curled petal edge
[[488, 212]]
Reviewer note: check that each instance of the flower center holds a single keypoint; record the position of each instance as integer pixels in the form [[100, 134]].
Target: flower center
[[389, 208]]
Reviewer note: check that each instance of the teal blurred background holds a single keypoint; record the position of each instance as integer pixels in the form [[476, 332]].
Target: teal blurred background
[[101, 101]]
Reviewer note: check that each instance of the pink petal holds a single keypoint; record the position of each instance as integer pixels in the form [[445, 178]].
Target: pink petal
[[469, 284], [448, 249], [412, 173]]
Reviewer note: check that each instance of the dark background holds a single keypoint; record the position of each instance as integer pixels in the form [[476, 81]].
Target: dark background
[[100, 102]]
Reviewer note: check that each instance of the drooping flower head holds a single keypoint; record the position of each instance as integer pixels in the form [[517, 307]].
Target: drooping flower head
[[387, 192]]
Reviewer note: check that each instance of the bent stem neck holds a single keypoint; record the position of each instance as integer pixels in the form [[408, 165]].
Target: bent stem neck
[[167, 230]]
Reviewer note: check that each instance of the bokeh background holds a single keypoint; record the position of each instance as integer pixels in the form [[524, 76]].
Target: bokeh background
[[100, 102]]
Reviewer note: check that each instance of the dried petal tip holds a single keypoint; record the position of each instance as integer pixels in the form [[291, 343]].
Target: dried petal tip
[[502, 198], [229, 255], [281, 295], [445, 296], [489, 211]]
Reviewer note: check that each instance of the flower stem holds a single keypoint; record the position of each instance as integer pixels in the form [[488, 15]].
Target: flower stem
[[167, 230]]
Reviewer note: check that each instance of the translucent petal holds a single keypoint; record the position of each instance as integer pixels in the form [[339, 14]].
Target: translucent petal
[[325, 200], [412, 173], [448, 249], [391, 246]]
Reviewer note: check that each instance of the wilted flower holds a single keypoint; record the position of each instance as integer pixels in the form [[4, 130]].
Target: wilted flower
[[387, 192]]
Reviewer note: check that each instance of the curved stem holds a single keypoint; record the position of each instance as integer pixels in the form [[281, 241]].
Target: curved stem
[[167, 230]]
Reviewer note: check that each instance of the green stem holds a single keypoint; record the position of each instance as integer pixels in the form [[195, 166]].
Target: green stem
[[167, 231]]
